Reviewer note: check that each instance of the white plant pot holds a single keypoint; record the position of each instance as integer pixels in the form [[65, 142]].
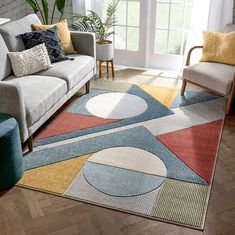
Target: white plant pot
[[104, 50]]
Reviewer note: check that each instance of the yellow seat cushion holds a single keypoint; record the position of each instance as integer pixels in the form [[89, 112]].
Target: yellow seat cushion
[[63, 34], [218, 47]]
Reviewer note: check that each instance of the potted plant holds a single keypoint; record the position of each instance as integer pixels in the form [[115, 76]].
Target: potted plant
[[43, 9], [102, 29]]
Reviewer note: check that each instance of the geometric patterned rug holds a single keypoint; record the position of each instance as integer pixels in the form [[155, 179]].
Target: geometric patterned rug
[[135, 148]]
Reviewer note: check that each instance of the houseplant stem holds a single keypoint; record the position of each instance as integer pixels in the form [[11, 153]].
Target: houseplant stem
[[43, 19], [53, 12]]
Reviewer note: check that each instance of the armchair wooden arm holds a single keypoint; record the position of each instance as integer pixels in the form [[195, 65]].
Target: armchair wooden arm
[[190, 52], [231, 97]]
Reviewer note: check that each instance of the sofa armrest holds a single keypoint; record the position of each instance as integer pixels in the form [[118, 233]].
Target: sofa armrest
[[190, 52], [12, 103], [84, 43]]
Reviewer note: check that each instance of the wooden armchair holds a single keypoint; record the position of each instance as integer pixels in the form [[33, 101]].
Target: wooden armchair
[[215, 77]]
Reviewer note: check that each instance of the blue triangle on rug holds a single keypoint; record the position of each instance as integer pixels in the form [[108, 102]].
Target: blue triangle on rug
[[138, 137]]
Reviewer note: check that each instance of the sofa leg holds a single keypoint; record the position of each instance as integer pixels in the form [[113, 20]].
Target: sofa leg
[[30, 144], [183, 87], [88, 87]]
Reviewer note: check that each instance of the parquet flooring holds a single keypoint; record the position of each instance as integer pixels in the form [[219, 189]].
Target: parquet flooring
[[24, 211]]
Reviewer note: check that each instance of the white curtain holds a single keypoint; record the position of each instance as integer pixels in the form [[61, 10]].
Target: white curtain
[[210, 15], [199, 22], [83, 6], [221, 13]]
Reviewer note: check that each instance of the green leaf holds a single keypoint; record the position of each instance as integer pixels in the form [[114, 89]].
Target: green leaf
[[93, 23], [45, 10], [112, 7], [60, 4], [33, 5]]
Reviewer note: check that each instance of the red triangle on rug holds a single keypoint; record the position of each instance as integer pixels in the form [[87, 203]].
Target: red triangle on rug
[[196, 146], [69, 122]]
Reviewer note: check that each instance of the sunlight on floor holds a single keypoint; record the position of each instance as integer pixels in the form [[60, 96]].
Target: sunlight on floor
[[149, 77]]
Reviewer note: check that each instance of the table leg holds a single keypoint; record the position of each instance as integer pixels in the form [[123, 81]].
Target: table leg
[[100, 69], [107, 65], [113, 75]]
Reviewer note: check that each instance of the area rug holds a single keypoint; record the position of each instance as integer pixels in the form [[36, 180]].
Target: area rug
[[134, 148]]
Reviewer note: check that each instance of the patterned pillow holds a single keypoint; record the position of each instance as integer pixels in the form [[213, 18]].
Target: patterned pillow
[[30, 61], [51, 40]]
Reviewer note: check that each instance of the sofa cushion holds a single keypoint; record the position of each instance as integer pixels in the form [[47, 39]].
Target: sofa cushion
[[40, 94], [218, 47], [30, 61], [51, 40], [10, 30], [71, 71], [5, 64], [218, 77], [63, 33]]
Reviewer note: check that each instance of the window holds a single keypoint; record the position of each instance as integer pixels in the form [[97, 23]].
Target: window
[[152, 33], [173, 18], [128, 24]]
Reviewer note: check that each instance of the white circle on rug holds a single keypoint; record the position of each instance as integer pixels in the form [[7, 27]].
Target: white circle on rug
[[124, 171], [131, 158], [116, 105]]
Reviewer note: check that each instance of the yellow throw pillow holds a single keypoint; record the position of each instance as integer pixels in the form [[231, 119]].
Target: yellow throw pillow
[[219, 47], [63, 34]]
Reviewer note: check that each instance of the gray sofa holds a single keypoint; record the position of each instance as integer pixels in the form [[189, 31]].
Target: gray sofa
[[32, 100]]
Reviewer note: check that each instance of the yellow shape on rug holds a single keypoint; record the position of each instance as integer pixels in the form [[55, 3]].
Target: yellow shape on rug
[[54, 177], [164, 95]]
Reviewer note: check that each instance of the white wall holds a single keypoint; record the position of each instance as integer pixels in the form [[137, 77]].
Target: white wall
[[221, 13], [67, 11], [13, 9]]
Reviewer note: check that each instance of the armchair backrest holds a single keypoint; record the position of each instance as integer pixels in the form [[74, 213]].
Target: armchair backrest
[[229, 28]]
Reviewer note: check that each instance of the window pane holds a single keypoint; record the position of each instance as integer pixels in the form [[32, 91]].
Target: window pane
[[188, 16], [163, 0], [189, 1], [161, 41], [162, 14], [177, 1], [121, 13], [104, 7], [177, 16], [133, 13], [186, 33], [175, 40], [120, 37], [133, 39]]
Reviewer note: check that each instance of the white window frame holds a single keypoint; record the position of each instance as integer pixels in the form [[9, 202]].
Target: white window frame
[[146, 56]]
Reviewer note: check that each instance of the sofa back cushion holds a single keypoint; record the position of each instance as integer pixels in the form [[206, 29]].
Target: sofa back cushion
[[11, 30], [5, 64]]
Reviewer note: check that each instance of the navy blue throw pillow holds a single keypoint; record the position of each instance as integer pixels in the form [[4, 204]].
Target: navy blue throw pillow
[[51, 40]]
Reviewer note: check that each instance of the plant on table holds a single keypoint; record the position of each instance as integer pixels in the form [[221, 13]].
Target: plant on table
[[103, 29], [93, 23]]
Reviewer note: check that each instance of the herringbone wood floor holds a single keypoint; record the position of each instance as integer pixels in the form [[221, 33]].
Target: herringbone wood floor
[[24, 211]]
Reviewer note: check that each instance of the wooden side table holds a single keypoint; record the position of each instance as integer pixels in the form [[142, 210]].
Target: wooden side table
[[107, 67]]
